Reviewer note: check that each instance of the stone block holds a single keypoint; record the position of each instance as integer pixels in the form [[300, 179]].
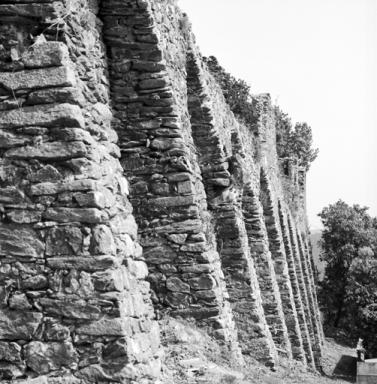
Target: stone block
[[52, 115], [70, 308], [203, 282], [10, 352], [66, 240], [38, 78], [47, 54], [12, 196], [20, 242], [35, 10], [10, 140], [91, 264], [47, 357], [24, 216], [70, 95], [49, 188], [173, 201], [160, 254], [16, 325], [103, 327], [49, 151], [82, 215], [175, 284], [102, 241]]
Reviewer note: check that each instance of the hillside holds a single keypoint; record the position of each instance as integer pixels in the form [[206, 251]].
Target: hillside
[[192, 358]]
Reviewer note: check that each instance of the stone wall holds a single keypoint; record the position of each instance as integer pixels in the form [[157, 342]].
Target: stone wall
[[75, 305], [114, 133]]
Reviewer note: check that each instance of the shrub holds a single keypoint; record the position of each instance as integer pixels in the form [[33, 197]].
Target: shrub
[[236, 91]]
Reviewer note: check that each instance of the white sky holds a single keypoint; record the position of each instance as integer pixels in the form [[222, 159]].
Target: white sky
[[318, 59]]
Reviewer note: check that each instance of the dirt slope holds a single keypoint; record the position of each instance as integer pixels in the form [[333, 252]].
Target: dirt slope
[[192, 357]]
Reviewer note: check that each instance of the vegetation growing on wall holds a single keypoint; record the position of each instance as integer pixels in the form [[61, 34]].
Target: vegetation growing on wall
[[348, 292], [236, 91], [294, 142], [291, 142]]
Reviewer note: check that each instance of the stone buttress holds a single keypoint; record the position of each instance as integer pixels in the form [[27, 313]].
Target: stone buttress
[[74, 302], [148, 83], [212, 124]]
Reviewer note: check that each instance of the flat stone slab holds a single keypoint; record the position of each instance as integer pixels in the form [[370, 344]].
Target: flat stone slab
[[48, 54], [15, 325], [54, 115], [38, 78], [20, 242], [41, 11], [82, 215], [49, 151]]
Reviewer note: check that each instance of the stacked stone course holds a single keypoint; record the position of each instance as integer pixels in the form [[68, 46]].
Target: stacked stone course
[[113, 132], [74, 305]]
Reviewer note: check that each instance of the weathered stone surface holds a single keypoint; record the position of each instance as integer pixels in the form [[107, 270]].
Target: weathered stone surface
[[103, 327], [202, 282], [65, 240], [55, 115], [177, 285], [24, 216], [38, 78], [69, 95], [45, 357], [10, 352], [19, 301], [71, 308], [35, 282], [20, 242], [49, 151], [49, 188], [9, 140], [83, 215], [44, 11], [48, 54], [12, 195], [102, 241], [10, 371], [174, 201], [98, 263], [15, 325]]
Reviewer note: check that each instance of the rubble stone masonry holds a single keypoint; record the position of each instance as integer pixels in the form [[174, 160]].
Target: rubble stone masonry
[[129, 192]]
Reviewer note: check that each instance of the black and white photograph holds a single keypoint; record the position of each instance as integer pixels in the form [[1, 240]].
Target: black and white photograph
[[188, 191]]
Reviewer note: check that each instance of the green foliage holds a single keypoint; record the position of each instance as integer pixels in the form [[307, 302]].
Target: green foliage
[[348, 292], [236, 91], [294, 143]]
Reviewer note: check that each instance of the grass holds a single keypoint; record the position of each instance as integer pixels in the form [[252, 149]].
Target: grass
[[193, 357]]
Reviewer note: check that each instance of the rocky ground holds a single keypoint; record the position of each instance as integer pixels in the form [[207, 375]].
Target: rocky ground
[[192, 357]]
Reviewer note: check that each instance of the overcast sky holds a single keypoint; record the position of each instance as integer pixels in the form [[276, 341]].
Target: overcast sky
[[318, 60]]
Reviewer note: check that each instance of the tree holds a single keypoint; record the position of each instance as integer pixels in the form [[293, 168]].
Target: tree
[[361, 298], [348, 239], [301, 144], [294, 142]]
